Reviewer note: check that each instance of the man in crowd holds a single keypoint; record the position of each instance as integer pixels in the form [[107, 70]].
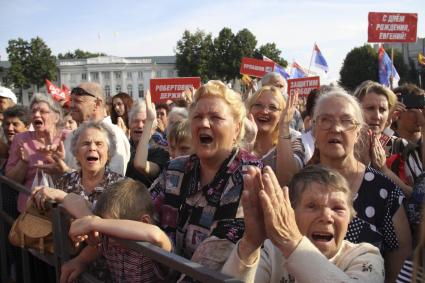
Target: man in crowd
[[88, 104]]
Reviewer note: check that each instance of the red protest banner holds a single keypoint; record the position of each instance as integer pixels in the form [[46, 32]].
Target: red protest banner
[[256, 68], [392, 27], [164, 89], [303, 85]]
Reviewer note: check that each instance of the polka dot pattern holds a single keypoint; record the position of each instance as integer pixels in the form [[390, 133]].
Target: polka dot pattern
[[376, 202]]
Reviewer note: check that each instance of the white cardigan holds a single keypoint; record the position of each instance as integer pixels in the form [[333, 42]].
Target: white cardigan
[[353, 263]]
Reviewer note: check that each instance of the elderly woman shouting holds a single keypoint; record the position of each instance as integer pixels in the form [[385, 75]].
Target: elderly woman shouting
[[93, 144], [24, 153], [305, 229], [197, 196]]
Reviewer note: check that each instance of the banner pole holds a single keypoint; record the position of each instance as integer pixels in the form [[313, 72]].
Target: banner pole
[[311, 60], [392, 64]]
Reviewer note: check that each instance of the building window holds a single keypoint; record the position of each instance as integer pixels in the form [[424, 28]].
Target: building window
[[129, 75], [141, 91], [130, 89], [140, 75], [118, 88], [84, 76], [94, 76], [107, 91], [117, 75], [106, 76], [73, 77]]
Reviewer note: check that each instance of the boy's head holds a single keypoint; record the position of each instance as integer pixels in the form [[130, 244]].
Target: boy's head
[[126, 199], [179, 139], [16, 120]]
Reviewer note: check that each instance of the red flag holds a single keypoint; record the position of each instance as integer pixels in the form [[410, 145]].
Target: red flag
[[57, 93], [67, 92]]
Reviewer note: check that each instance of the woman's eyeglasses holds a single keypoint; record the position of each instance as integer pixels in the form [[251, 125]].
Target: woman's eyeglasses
[[261, 107], [326, 123]]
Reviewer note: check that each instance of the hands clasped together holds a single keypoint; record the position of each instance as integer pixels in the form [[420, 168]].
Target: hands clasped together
[[268, 215]]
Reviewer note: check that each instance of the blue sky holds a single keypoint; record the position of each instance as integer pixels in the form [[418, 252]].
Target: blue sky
[[145, 28]]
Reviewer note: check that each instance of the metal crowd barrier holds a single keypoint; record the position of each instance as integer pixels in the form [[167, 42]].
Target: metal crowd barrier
[[62, 247]]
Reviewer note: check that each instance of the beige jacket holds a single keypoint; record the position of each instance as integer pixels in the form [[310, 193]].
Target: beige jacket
[[353, 263]]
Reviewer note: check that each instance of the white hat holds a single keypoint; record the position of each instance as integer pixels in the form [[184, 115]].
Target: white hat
[[6, 92]]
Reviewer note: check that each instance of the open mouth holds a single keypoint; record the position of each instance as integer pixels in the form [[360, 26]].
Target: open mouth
[[205, 139], [38, 122], [322, 237], [92, 158], [138, 131], [263, 119], [334, 141]]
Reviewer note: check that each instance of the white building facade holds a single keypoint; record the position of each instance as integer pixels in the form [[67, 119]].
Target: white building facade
[[117, 74]]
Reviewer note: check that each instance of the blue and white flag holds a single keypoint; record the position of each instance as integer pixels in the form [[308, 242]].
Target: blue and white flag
[[387, 69], [319, 60], [297, 71]]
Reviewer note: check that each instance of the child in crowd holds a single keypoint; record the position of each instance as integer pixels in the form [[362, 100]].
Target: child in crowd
[[69, 122], [126, 211], [179, 139]]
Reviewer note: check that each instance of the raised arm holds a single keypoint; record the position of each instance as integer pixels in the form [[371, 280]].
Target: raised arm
[[141, 162], [120, 228], [286, 164]]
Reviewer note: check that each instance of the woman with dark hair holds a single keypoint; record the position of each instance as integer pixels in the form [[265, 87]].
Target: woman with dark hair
[[121, 104]]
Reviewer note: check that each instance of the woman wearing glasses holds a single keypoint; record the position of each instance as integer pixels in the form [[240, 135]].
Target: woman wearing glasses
[[381, 219], [26, 150], [273, 144]]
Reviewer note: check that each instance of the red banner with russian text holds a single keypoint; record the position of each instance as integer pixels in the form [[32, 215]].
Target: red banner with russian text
[[163, 89], [256, 68], [303, 85], [392, 27]]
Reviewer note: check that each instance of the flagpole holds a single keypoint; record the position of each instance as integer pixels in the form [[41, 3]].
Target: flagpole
[[392, 64], [311, 60]]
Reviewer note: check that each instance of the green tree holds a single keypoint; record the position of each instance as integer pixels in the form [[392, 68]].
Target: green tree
[[31, 62], [193, 54], [244, 45], [79, 54], [360, 64], [222, 62], [270, 50]]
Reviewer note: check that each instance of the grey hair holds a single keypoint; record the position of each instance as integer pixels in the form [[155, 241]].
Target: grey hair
[[336, 93], [180, 111], [267, 77], [111, 140], [53, 105], [139, 106]]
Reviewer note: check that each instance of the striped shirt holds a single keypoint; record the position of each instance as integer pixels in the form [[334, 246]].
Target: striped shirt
[[406, 273]]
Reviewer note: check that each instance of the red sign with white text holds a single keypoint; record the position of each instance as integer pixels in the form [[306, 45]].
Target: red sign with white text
[[392, 27], [164, 89], [303, 85], [256, 68]]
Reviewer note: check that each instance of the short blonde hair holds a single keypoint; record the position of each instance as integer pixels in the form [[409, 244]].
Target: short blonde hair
[[367, 87], [179, 131], [281, 100], [218, 89]]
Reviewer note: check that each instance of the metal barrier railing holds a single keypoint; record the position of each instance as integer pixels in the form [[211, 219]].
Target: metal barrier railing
[[62, 248]]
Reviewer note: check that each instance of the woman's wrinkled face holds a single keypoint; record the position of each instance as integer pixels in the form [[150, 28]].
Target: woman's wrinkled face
[[92, 150], [376, 111], [42, 117], [214, 129], [323, 216], [335, 129], [266, 111], [118, 106]]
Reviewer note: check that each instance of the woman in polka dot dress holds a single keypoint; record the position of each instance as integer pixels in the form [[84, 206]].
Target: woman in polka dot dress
[[381, 219]]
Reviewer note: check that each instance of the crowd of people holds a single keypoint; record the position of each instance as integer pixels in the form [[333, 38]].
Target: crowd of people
[[249, 184]]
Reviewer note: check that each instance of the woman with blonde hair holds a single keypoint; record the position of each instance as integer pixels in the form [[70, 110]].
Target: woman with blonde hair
[[198, 196], [273, 143]]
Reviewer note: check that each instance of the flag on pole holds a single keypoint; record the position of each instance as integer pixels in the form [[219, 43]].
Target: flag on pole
[[297, 71], [421, 58], [277, 68], [319, 60], [57, 93], [387, 69]]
